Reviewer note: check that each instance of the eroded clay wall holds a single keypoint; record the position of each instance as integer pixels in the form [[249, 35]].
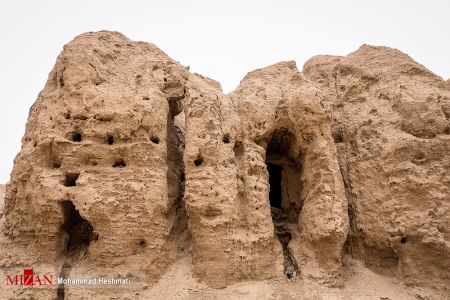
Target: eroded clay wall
[[391, 126], [128, 160]]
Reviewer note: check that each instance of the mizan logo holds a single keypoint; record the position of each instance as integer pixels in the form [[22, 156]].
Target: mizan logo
[[28, 278]]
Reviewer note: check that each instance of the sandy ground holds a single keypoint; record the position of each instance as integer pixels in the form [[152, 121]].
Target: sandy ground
[[361, 283]]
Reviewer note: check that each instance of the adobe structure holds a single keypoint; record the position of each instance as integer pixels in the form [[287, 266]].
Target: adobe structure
[[129, 162]]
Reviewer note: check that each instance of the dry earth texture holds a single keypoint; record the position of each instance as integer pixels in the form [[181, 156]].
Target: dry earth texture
[[330, 183]]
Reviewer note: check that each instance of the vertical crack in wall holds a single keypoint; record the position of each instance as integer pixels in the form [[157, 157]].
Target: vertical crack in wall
[[238, 150], [64, 273], [341, 135], [284, 200], [280, 219], [176, 174]]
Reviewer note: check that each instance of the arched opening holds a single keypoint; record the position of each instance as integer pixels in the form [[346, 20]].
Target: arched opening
[[284, 192]]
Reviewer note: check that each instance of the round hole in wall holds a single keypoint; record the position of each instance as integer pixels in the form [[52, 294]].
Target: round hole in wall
[[198, 161], [154, 139], [110, 140], [226, 138]]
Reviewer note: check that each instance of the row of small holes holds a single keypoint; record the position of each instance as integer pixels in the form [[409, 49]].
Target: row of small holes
[[76, 137], [70, 179], [199, 160]]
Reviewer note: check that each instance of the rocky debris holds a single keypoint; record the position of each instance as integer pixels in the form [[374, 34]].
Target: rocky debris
[[130, 161]]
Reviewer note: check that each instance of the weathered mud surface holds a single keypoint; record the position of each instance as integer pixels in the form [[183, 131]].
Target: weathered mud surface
[[130, 162]]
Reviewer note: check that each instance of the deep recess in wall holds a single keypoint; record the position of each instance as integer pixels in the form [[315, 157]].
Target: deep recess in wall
[[275, 184], [176, 173], [80, 231], [70, 179], [81, 234], [284, 193]]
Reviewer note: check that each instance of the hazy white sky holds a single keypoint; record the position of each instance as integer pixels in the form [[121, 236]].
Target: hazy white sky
[[222, 40]]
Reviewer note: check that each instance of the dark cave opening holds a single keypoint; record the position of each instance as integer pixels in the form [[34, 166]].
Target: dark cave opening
[[70, 179], [80, 231], [81, 234], [275, 184], [284, 193]]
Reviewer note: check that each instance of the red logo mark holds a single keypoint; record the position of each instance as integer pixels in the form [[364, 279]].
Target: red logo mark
[[28, 278]]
